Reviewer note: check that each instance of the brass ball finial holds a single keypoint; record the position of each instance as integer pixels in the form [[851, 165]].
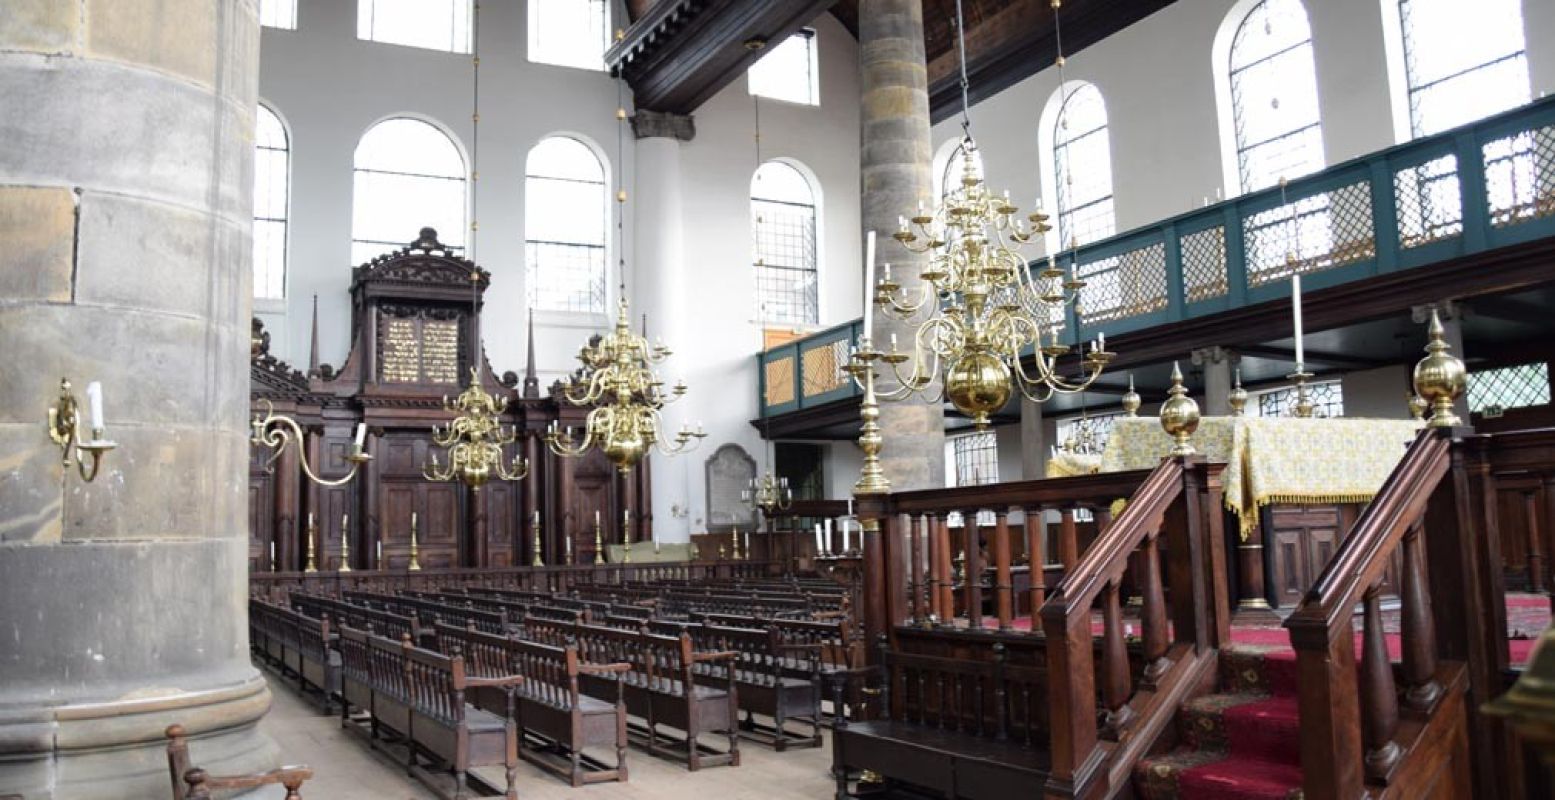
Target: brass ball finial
[[1417, 405], [1131, 399], [1238, 397], [1440, 378], [1179, 415]]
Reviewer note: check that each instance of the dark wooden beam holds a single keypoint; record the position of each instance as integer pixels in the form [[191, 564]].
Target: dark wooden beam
[[1312, 356], [1511, 310]]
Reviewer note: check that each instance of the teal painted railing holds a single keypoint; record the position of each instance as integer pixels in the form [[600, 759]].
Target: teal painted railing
[[1485, 185]]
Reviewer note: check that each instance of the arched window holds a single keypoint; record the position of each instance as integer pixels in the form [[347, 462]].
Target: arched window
[[783, 227], [1458, 66], [433, 24], [566, 215], [409, 175], [272, 181], [569, 33], [1279, 130], [1082, 166]]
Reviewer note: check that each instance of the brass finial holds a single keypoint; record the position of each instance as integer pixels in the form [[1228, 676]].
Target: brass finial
[[1417, 405], [345, 543], [1179, 415], [1440, 377], [313, 533], [599, 546], [1238, 397], [1131, 399]]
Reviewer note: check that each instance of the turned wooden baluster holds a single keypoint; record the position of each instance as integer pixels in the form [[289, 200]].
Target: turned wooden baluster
[[914, 570], [1114, 653], [1379, 697], [1153, 612], [930, 532], [947, 586], [1535, 543], [1418, 628], [1003, 588], [974, 569], [1068, 540]]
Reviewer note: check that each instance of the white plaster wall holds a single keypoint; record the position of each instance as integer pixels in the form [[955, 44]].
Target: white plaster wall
[[1380, 393]]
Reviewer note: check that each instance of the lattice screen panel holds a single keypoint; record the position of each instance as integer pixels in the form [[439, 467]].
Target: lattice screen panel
[[1129, 285], [1430, 205], [1204, 264], [823, 368], [780, 381], [1313, 234], [1327, 401], [1509, 387], [1520, 177]]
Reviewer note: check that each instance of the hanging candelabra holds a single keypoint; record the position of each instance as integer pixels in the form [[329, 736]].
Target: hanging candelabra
[[474, 440]]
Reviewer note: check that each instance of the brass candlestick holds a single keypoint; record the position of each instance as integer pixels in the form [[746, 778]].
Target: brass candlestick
[[599, 545], [1238, 397], [415, 563], [861, 367], [1304, 404], [65, 431], [1131, 399], [626, 536], [276, 431], [537, 561], [1440, 378], [345, 543], [1179, 415], [312, 532]]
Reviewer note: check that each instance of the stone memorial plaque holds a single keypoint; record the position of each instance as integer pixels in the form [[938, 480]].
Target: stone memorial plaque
[[729, 473]]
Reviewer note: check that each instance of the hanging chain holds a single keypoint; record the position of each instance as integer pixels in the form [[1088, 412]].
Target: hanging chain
[[475, 127], [966, 85], [621, 181]]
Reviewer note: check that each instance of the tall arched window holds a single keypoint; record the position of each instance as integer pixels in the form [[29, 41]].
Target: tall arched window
[[783, 229], [409, 175], [569, 33], [1082, 166], [272, 181], [1461, 65], [1279, 129], [566, 216], [433, 24]]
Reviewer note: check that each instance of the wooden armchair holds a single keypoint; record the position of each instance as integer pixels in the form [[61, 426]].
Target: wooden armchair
[[196, 784]]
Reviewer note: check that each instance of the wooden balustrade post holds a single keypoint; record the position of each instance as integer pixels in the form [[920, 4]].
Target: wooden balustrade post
[[1535, 543], [1153, 611], [947, 587], [974, 569], [1036, 558], [1116, 682], [1068, 540], [915, 526], [1003, 584], [931, 532], [1071, 699], [1418, 628], [1379, 697], [875, 603]]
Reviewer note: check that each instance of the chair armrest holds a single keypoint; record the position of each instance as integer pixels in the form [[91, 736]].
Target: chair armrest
[[286, 776], [602, 669], [500, 683]]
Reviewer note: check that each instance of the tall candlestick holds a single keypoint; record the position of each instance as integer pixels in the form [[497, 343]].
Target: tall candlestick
[[869, 284], [94, 398], [1295, 307], [345, 543]]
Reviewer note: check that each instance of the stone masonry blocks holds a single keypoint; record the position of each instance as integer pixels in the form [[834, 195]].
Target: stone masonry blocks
[[37, 225], [40, 26]]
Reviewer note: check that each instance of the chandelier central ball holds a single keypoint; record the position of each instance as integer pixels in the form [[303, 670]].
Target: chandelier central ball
[[978, 384]]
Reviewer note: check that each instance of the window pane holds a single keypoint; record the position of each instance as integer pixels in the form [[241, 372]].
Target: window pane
[[433, 24], [1462, 66], [271, 197], [1327, 401], [788, 71], [1274, 95], [976, 457], [783, 229], [409, 175], [1497, 390], [569, 33], [278, 14], [565, 226], [1082, 165]]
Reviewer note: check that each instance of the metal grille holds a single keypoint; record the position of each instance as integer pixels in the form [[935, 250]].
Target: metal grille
[[977, 458], [780, 381], [566, 277], [1309, 235], [1492, 391], [823, 368], [1127, 285], [1430, 207], [1204, 263], [785, 261], [1520, 177], [1327, 400]]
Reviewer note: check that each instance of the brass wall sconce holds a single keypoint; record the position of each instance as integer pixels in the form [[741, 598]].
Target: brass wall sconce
[[275, 431], [65, 430]]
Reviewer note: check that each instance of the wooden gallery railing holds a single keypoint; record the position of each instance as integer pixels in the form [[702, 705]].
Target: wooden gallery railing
[[545, 579], [1437, 515]]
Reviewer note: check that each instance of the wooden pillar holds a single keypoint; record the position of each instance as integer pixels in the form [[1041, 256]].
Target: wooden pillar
[[1003, 584], [292, 549], [1068, 540], [1535, 542], [947, 599], [1036, 557], [974, 569]]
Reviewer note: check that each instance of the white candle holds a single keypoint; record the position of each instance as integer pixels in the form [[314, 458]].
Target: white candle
[[1295, 307], [413, 523], [537, 516], [845, 547], [94, 398], [820, 541], [829, 539], [272, 556], [869, 284], [596, 518], [380, 554], [361, 433], [1101, 342], [850, 506], [893, 342]]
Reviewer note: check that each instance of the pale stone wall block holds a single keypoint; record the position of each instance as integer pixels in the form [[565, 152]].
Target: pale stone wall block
[[37, 225], [40, 26], [29, 483], [177, 36]]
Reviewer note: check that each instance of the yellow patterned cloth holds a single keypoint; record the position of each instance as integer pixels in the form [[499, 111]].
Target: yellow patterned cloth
[[1069, 465], [1276, 460]]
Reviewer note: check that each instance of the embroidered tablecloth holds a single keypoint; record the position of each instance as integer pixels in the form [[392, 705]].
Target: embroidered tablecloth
[[1068, 465], [1275, 460]]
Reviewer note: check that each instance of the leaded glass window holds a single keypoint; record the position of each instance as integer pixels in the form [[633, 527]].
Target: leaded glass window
[[1462, 63], [272, 179], [432, 24], [1279, 130], [409, 175], [1327, 400], [1495, 390], [1086, 434], [1082, 167], [566, 216], [783, 227], [976, 458], [278, 14], [788, 71], [569, 33]]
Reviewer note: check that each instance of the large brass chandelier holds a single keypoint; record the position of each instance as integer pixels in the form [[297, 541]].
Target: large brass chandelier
[[474, 440], [985, 305], [618, 380]]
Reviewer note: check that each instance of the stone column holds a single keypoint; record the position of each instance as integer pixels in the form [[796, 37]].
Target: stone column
[[125, 206], [1217, 363], [661, 282], [895, 158], [1033, 447]]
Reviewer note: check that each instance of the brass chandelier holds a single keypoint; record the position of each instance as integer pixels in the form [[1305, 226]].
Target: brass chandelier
[[618, 380], [769, 493], [474, 440]]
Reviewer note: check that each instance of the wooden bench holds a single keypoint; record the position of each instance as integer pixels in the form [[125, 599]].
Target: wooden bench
[[420, 695], [193, 783], [386, 623], [764, 670], [298, 645], [550, 703]]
